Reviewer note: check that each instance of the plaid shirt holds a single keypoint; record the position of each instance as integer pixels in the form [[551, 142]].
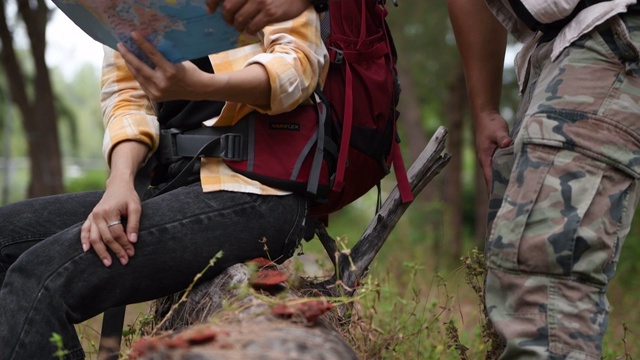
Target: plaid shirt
[[294, 56]]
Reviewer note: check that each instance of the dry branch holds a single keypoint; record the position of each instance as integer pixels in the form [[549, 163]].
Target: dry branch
[[354, 266]]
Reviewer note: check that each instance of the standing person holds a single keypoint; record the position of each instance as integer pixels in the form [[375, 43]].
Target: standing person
[[252, 15], [564, 178], [67, 258]]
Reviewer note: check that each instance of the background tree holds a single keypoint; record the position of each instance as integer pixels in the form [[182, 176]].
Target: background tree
[[32, 93], [405, 301], [433, 94]]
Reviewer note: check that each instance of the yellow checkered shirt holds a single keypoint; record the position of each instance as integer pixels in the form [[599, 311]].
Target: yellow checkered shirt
[[294, 56]]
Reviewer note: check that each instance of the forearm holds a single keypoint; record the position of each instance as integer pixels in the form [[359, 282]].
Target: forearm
[[292, 57], [248, 86], [481, 40], [126, 158], [295, 59], [128, 113]]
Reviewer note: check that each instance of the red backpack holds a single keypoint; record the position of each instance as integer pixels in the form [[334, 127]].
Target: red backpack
[[336, 150], [363, 92]]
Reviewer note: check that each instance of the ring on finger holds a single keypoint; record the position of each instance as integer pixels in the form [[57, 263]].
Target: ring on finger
[[114, 223]]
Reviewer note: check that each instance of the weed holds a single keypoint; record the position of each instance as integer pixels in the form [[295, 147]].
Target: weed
[[408, 311], [60, 352], [390, 323], [475, 274], [627, 355], [145, 323], [454, 340]]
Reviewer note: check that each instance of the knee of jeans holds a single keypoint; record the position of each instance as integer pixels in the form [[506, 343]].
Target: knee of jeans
[[10, 252], [6, 259]]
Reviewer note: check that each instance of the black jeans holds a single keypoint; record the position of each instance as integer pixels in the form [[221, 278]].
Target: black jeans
[[49, 284]]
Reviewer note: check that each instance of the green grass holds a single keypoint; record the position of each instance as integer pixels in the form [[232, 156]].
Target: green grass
[[414, 305], [406, 309]]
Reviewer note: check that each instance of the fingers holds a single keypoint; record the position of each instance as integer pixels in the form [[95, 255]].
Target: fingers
[[245, 17], [147, 49], [230, 8], [133, 223], [99, 246], [114, 237], [156, 81], [212, 6], [486, 158], [85, 235], [488, 175], [257, 23], [505, 142], [107, 236], [133, 63]]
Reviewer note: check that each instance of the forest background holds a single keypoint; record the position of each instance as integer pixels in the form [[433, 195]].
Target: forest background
[[419, 302]]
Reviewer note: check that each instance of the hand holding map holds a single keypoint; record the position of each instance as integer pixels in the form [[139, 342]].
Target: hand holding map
[[180, 29]]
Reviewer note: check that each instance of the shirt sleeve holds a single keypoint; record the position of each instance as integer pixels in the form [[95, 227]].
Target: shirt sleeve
[[128, 114], [294, 56]]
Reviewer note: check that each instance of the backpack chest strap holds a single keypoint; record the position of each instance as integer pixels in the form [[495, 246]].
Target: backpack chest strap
[[338, 56]]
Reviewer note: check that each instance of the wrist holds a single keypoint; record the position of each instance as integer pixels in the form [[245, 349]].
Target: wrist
[[484, 113], [119, 181]]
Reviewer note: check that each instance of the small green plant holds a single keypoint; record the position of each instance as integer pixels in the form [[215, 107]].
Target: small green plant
[[88, 336], [398, 321], [454, 340], [56, 340], [627, 355], [475, 274], [144, 324]]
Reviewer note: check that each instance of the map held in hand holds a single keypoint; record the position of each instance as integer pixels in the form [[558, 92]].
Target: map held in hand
[[180, 29]]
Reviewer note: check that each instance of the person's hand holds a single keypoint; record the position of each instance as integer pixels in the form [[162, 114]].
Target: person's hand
[[492, 132], [166, 81], [251, 16], [105, 227]]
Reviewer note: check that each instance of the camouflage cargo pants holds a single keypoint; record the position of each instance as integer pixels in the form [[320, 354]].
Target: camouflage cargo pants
[[564, 195]]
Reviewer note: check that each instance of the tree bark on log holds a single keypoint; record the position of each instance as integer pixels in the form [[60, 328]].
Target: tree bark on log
[[230, 317], [232, 323]]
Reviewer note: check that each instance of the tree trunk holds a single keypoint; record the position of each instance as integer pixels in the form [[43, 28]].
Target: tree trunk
[[414, 135], [456, 103], [38, 113]]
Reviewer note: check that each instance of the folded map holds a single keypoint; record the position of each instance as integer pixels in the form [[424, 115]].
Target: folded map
[[179, 29]]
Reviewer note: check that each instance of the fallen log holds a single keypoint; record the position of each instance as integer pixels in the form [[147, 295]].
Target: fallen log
[[230, 317], [233, 323]]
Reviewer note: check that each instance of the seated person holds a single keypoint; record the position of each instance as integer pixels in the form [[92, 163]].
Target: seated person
[[67, 258]]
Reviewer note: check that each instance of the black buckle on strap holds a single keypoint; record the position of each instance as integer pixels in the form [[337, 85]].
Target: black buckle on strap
[[167, 151], [232, 146], [226, 143]]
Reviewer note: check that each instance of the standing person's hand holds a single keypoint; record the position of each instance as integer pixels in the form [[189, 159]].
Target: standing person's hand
[[251, 16], [492, 132]]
